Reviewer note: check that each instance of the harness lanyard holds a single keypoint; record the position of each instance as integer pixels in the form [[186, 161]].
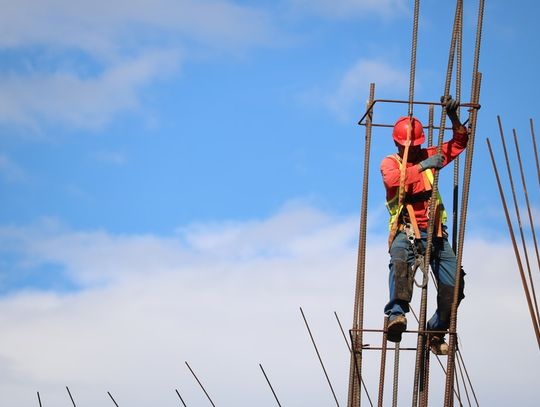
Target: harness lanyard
[[401, 192]]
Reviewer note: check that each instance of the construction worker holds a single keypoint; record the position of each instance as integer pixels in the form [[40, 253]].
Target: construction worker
[[410, 172]]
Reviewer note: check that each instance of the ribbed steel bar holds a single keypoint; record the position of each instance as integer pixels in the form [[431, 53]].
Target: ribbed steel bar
[[382, 370], [71, 397], [112, 398], [430, 125], [395, 387], [355, 370], [455, 191], [319, 357], [350, 350], [270, 385], [425, 393], [419, 382], [535, 149], [200, 384], [180, 397], [39, 399], [516, 251], [475, 98], [459, 255], [412, 72], [518, 217], [526, 194]]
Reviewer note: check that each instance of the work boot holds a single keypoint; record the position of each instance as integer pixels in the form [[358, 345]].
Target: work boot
[[438, 345], [395, 328]]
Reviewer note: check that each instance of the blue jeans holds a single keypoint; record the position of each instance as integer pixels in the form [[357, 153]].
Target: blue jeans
[[443, 264]]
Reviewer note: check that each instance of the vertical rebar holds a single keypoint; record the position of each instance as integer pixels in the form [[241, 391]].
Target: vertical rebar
[[319, 357], [200, 384], [350, 350], [412, 72], [355, 370], [383, 363], [180, 397], [449, 401], [524, 184], [395, 388], [430, 126], [270, 385], [39, 399], [419, 382], [533, 136], [455, 191], [475, 98], [71, 397], [112, 398], [516, 251]]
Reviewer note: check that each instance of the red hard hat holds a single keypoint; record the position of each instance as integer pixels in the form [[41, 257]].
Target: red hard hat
[[400, 131]]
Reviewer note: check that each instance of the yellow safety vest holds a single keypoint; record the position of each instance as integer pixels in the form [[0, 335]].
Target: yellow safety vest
[[394, 209]]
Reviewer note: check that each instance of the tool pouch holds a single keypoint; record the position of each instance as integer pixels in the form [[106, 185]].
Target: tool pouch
[[403, 281]]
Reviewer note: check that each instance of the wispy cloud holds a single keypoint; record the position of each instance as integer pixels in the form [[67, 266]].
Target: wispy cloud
[[352, 8], [355, 82], [10, 170], [89, 102], [80, 63], [225, 297]]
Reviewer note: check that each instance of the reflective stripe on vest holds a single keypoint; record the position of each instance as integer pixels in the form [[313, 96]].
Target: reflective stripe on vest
[[394, 209]]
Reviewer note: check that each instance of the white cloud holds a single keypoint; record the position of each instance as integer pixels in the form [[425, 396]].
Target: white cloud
[[352, 8], [355, 83], [225, 298], [123, 44], [66, 97]]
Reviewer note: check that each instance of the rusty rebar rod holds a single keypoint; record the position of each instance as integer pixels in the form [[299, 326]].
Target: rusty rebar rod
[[419, 379], [475, 98], [71, 397], [355, 369], [412, 72], [270, 385], [112, 398], [319, 357], [180, 397], [526, 194], [516, 251], [350, 351], [395, 387], [518, 217], [383, 363], [533, 136], [200, 384]]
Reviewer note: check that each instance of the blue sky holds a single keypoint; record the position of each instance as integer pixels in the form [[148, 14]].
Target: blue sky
[[212, 147]]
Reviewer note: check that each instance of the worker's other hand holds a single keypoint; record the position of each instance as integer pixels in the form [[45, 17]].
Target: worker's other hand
[[435, 161], [451, 107]]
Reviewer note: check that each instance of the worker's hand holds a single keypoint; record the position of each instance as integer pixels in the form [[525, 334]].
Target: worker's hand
[[451, 109], [435, 161]]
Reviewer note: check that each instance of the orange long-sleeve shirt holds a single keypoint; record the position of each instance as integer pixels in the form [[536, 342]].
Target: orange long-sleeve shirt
[[414, 180]]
